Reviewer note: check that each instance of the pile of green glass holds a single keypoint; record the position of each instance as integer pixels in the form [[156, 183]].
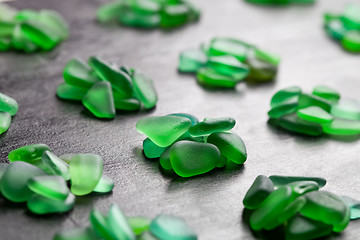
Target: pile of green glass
[[150, 13], [8, 108], [345, 28], [116, 226], [297, 204], [280, 2], [314, 114], [224, 62], [29, 31], [38, 177], [104, 88], [188, 147]]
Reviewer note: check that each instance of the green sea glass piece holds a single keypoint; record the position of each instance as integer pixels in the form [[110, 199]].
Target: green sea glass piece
[[8, 104], [335, 28], [209, 77], [342, 127], [228, 46], [165, 227], [192, 60], [285, 96], [14, 181], [69, 92], [118, 224], [42, 205], [78, 74], [347, 109], [139, 224], [6, 28], [289, 107], [5, 121], [328, 208], [53, 187], [163, 130], [315, 114], [144, 89], [100, 224], [211, 125], [301, 187], [105, 185], [151, 150], [302, 228], [28, 153], [56, 165], [99, 100], [351, 16], [26, 14], [260, 71], [174, 15], [85, 172], [134, 19], [22, 43], [194, 120], [284, 180], [230, 145], [119, 80], [109, 11], [354, 206], [5, 44], [306, 100], [77, 234], [67, 157], [227, 65], [326, 93], [192, 158], [164, 160], [130, 104], [295, 124], [351, 41], [267, 56], [261, 188], [55, 21], [222, 163]]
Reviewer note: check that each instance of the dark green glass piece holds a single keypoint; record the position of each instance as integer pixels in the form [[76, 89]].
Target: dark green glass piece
[[20, 42], [211, 125], [118, 224], [99, 100], [260, 71], [289, 107], [100, 225], [77, 234], [315, 114], [28, 153], [53, 187], [56, 165], [258, 192], [307, 100], [144, 89], [284, 180], [192, 60], [14, 181], [295, 124], [5, 121], [8, 104], [42, 205], [164, 160], [192, 158], [335, 28], [302, 228], [105, 185], [174, 15], [286, 95], [6, 28], [209, 77], [139, 224], [130, 104], [230, 145], [165, 227], [77, 73], [151, 150], [69, 92], [5, 44]]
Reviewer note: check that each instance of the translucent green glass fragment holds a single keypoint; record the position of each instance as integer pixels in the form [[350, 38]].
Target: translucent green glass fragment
[[267, 56], [56, 165], [260, 71], [42, 205], [284, 180], [354, 207], [85, 172], [211, 125], [139, 224], [227, 64], [192, 60], [192, 158], [54, 20], [347, 109], [315, 114], [26, 14], [28, 153], [144, 89], [69, 92], [209, 77], [53, 187], [14, 181], [285, 95], [351, 41], [230, 145], [223, 46], [22, 43], [295, 124], [99, 100], [6, 28], [118, 224], [77, 73], [145, 7], [342, 127], [289, 107], [164, 160], [8, 104], [174, 15], [5, 43], [163, 130], [194, 120], [351, 16], [258, 192], [109, 11], [302, 228], [133, 19], [130, 104], [105, 185], [77, 234], [101, 225], [5, 121], [326, 93], [301, 187], [151, 150], [165, 227], [335, 28]]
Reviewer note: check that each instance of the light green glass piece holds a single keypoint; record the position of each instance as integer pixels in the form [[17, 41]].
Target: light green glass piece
[[85, 172], [328, 208], [163, 130], [22, 43], [222, 163], [69, 92], [54, 20], [342, 127], [335, 28], [315, 114], [211, 125], [151, 150], [354, 206], [270, 208], [260, 71], [227, 65], [130, 104], [105, 185], [77, 234], [100, 225], [6, 28], [192, 158], [326, 93], [118, 224], [290, 106], [286, 95], [302, 228], [109, 11], [53, 187], [77, 73], [40, 34], [230, 145], [209, 77], [139, 224], [192, 60], [42, 205], [261, 188], [99, 100], [7, 13], [280, 181], [174, 15], [347, 109], [26, 14], [267, 56], [351, 16], [229, 46], [14, 181], [295, 124], [56, 165], [119, 80], [28, 153], [5, 44], [8, 104], [351, 41], [165, 227], [5, 121], [134, 19], [164, 160], [144, 89]]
